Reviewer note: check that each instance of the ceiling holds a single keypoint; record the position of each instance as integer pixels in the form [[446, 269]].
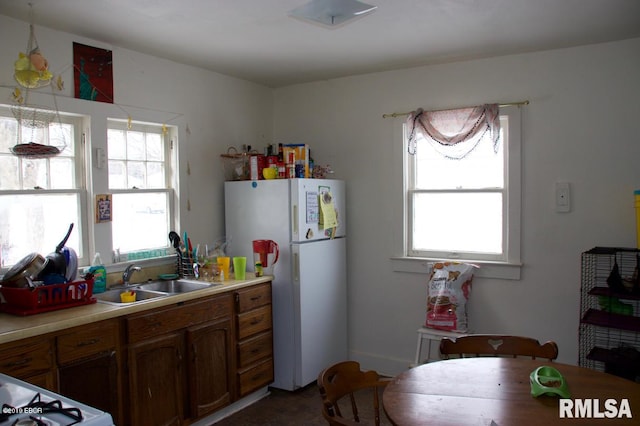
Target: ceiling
[[256, 40]]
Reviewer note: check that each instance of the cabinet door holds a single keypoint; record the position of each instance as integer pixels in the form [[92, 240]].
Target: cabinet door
[[156, 381], [30, 360], [210, 371], [93, 381], [88, 359]]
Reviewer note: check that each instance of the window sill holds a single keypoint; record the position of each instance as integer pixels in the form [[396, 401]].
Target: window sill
[[499, 270], [149, 262]]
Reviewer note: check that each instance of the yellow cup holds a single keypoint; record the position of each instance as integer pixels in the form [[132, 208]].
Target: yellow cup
[[128, 297], [240, 267], [223, 267]]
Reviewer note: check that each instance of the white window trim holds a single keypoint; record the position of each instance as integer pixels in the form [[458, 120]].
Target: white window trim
[[171, 182], [94, 116], [80, 189], [509, 269]]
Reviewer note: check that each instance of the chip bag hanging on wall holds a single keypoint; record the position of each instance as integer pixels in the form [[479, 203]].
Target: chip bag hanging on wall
[[448, 292]]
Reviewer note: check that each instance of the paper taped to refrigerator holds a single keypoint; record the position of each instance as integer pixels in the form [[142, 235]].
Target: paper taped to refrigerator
[[328, 218]]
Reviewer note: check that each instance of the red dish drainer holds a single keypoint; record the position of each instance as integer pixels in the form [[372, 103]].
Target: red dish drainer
[[26, 301]]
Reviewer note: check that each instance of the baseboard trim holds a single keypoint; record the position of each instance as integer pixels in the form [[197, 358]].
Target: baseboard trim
[[229, 410], [385, 366]]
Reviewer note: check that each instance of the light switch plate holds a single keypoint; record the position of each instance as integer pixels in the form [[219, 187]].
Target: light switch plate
[[100, 158], [563, 197]]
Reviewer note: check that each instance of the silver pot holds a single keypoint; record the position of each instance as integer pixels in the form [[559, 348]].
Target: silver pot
[[23, 273]]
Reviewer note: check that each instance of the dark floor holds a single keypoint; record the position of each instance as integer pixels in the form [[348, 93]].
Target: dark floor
[[298, 408]]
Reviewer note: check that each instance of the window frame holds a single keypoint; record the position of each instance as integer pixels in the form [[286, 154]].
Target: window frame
[[90, 136], [507, 267], [170, 188], [79, 190]]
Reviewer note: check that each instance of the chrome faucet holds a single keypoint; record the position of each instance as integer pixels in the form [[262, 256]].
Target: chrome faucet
[[126, 275]]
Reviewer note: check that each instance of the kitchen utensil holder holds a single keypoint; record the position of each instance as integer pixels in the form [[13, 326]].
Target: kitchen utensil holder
[[184, 266]]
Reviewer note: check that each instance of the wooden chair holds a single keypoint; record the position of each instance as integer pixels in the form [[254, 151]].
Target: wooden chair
[[345, 379], [497, 345]]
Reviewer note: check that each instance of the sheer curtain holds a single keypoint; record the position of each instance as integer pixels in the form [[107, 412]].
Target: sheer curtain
[[457, 131]]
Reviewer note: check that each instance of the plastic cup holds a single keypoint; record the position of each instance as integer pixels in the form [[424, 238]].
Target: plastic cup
[[223, 267], [128, 297], [240, 267]]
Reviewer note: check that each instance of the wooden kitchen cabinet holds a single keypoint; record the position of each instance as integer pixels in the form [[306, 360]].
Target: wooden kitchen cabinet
[[157, 381], [170, 365], [180, 361], [30, 360], [254, 347], [88, 359], [210, 351]]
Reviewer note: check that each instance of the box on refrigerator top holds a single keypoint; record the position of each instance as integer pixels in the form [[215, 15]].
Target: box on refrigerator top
[[301, 153]]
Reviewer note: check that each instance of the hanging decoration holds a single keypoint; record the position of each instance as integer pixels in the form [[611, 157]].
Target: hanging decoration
[[31, 71]]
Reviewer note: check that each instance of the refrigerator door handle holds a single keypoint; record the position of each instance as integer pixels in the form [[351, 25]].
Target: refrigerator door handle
[[295, 220], [296, 267]]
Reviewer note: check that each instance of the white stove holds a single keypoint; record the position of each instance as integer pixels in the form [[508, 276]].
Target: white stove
[[24, 404]]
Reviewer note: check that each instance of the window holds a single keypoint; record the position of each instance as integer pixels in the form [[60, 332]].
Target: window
[[39, 197], [139, 159], [466, 208]]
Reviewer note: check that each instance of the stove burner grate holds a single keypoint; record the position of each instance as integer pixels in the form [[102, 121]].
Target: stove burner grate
[[43, 407]]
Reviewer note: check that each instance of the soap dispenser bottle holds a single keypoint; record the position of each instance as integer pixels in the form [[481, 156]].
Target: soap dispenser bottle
[[99, 273]]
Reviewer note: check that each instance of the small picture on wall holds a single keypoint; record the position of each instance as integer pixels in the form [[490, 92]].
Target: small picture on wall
[[103, 208], [92, 73]]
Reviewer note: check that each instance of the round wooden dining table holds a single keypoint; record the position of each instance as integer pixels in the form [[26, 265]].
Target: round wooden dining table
[[495, 391]]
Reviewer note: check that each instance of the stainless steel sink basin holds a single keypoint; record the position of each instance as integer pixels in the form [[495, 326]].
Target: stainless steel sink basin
[[175, 286], [112, 297], [152, 290]]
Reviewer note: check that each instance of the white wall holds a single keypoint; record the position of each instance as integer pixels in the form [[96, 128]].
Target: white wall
[[219, 111], [581, 127]]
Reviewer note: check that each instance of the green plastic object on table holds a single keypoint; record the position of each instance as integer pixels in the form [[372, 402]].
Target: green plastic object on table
[[547, 380]]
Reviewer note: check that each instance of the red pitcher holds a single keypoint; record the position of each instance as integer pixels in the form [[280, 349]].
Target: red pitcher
[[267, 252]]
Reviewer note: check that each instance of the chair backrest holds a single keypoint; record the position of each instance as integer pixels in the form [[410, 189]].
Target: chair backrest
[[343, 380], [497, 345]]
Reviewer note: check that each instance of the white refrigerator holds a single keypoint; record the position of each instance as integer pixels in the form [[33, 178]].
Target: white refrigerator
[[306, 217]]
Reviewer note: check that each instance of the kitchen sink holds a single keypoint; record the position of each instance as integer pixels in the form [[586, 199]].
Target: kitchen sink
[[112, 297], [152, 290], [175, 286]]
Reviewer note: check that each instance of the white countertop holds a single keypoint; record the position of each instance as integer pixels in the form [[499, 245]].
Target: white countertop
[[13, 327]]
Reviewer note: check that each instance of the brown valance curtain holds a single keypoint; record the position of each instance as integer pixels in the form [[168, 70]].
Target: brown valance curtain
[[454, 127]]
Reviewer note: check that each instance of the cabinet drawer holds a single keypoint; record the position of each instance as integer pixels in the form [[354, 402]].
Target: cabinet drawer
[[253, 297], [86, 341], [27, 358], [254, 322], [253, 378], [254, 349], [166, 320]]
